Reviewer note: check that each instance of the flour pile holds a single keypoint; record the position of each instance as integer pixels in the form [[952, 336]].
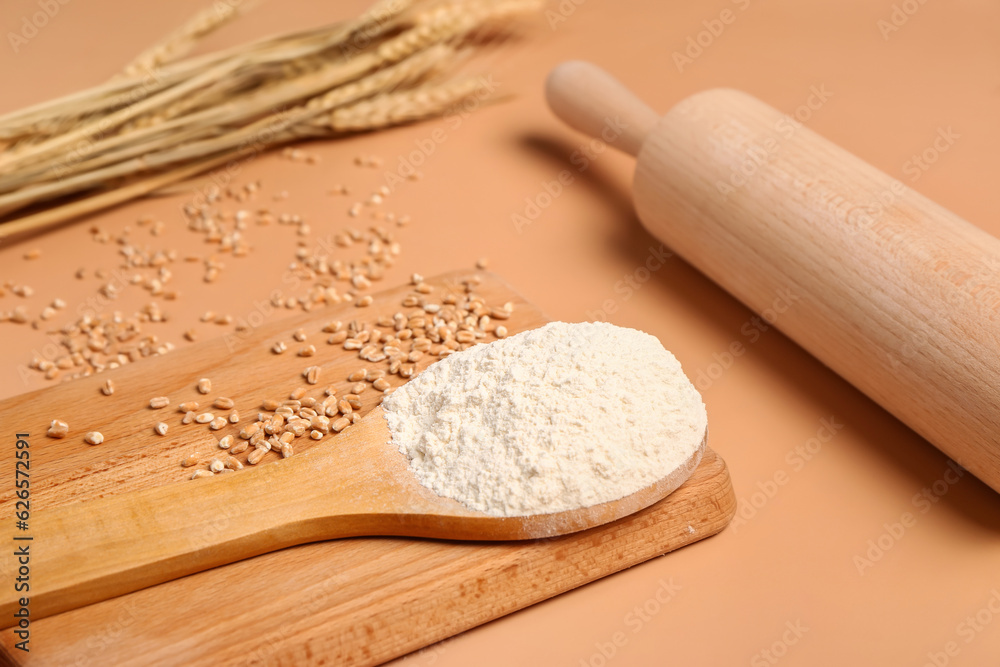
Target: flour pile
[[553, 419]]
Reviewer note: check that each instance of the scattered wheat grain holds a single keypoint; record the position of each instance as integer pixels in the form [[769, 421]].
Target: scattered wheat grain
[[57, 429]]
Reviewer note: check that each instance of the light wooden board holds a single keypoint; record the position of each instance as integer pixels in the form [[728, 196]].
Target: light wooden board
[[356, 601]]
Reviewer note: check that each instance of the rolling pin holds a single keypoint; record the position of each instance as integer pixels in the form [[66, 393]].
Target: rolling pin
[[891, 291]]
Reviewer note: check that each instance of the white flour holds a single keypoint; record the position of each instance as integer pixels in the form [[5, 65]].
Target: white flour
[[557, 418]]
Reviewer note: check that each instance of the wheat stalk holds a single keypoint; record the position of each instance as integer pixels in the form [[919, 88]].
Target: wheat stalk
[[391, 109], [429, 29], [27, 121], [166, 118], [180, 42], [59, 142], [109, 198], [301, 44], [277, 128], [404, 107]]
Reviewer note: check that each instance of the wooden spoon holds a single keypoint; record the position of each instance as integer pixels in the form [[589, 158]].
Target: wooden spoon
[[358, 485]]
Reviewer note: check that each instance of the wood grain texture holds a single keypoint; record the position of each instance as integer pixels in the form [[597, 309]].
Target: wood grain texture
[[890, 290], [590, 100], [240, 367], [361, 486], [348, 601], [367, 600], [893, 292]]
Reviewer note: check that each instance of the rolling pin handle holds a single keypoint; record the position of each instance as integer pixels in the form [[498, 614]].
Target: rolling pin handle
[[592, 101]]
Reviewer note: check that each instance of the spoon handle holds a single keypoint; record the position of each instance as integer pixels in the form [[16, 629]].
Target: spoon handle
[[97, 549]]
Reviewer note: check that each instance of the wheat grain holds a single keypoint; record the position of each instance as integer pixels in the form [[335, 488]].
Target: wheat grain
[[58, 429]]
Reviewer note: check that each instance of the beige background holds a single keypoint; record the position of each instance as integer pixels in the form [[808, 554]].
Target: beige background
[[790, 560]]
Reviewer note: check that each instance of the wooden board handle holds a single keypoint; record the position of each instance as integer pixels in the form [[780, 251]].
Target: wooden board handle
[[590, 100], [893, 292]]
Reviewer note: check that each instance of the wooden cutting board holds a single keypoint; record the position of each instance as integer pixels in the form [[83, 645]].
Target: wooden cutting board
[[357, 601]]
